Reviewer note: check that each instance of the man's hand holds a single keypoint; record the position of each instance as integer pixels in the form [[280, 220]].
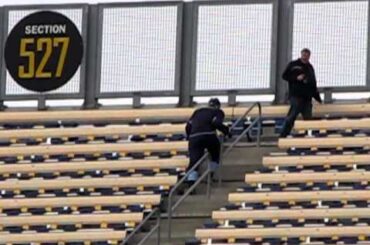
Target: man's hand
[[300, 77], [229, 134]]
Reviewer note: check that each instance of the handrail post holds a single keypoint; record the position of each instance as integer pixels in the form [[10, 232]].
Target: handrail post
[[222, 140], [169, 218], [159, 227], [259, 125], [209, 181], [259, 132]]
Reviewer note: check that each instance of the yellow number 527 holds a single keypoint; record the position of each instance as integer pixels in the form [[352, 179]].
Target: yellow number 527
[[46, 45]]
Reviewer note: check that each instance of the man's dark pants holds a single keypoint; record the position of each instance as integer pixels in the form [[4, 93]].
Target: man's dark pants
[[297, 106], [198, 145]]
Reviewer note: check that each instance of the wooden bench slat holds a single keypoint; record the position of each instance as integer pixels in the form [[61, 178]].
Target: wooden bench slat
[[35, 184], [174, 113], [292, 214], [93, 148], [341, 124], [316, 160], [71, 219], [79, 201], [307, 177], [81, 235], [310, 142], [300, 196], [94, 115], [93, 131], [94, 165], [282, 232]]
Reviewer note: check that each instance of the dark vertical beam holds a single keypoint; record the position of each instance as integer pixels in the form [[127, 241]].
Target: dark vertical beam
[[136, 101], [285, 28], [3, 29], [368, 50], [91, 58], [186, 55]]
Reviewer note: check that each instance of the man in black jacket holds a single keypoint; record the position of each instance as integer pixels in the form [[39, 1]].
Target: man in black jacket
[[201, 133], [300, 75]]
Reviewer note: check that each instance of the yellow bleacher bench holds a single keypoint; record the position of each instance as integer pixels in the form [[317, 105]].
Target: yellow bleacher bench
[[300, 196], [96, 165], [58, 236], [93, 131], [307, 177], [310, 142], [15, 203], [92, 148], [282, 232], [341, 124], [172, 113], [292, 214], [36, 184], [284, 161], [118, 218]]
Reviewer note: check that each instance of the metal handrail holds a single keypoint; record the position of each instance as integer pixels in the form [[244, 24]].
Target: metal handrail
[[256, 120], [207, 173], [157, 228]]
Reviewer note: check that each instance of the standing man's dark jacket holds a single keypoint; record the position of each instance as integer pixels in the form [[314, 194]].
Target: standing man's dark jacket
[[306, 89], [302, 88], [205, 121]]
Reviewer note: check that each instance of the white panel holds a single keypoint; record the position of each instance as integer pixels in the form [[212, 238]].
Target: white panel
[[73, 86], [139, 49], [234, 47], [336, 33]]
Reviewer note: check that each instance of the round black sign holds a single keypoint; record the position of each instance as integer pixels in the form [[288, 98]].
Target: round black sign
[[43, 51]]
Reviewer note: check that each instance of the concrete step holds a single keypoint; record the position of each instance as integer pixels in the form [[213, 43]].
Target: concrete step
[[192, 214], [182, 230], [247, 156], [197, 209], [242, 160], [200, 206]]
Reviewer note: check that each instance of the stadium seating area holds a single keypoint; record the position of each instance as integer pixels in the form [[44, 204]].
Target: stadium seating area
[[79, 183], [315, 192], [90, 177]]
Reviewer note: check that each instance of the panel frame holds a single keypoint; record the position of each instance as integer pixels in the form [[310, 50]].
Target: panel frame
[[176, 91], [51, 95], [341, 88], [274, 46]]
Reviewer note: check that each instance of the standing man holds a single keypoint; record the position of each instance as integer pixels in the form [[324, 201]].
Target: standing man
[[201, 133], [300, 75]]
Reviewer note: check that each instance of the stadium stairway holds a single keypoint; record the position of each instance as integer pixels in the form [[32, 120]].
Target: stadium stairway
[[197, 208]]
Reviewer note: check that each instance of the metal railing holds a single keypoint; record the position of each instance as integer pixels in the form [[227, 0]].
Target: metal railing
[[207, 173], [257, 120], [157, 228]]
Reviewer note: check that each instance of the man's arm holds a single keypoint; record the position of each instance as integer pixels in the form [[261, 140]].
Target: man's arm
[[188, 127], [218, 122], [287, 74], [316, 96], [293, 73]]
